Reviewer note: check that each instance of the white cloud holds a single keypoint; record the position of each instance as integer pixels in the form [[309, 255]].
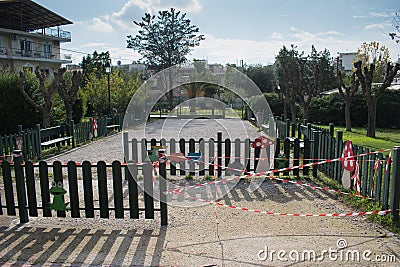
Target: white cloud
[[133, 10], [277, 35], [380, 14], [94, 44], [100, 25], [378, 26], [330, 33]]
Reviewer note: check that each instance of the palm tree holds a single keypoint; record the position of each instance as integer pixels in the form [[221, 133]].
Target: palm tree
[[194, 90]]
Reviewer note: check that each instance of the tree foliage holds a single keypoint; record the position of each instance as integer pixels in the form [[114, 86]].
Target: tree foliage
[[395, 34], [68, 91], [375, 73], [14, 106], [44, 104], [121, 91], [262, 76], [95, 63], [165, 40], [288, 72]]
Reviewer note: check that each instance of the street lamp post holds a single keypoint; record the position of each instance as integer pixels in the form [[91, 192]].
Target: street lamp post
[[108, 71]]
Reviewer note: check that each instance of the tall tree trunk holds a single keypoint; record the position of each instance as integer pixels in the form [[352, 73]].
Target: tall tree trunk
[[285, 111], [46, 118], [306, 107], [347, 114], [293, 111], [68, 111], [371, 119]]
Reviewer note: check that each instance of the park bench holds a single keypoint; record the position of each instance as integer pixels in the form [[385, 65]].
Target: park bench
[[57, 135], [112, 127]]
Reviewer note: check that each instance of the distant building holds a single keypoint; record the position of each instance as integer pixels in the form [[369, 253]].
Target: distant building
[[345, 61], [135, 66], [30, 37]]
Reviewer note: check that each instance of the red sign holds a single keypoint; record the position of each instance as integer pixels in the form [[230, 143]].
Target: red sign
[[348, 161], [262, 142]]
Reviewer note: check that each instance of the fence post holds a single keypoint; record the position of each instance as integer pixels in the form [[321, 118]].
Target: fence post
[[339, 147], [72, 132], [331, 129], [20, 184], [287, 128], [395, 196], [125, 142], [316, 151], [219, 153], [39, 141], [163, 196]]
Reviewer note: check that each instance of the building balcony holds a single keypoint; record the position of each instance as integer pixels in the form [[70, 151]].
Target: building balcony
[[34, 55], [58, 33]]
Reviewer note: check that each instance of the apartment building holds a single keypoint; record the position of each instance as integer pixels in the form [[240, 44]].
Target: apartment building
[[30, 37]]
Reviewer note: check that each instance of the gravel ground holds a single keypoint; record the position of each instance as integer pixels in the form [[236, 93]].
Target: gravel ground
[[205, 235]]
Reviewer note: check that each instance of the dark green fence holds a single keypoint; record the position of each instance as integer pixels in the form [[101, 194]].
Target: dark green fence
[[91, 190], [379, 176], [29, 141]]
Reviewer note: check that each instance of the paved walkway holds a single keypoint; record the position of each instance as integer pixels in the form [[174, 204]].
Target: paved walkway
[[206, 235]]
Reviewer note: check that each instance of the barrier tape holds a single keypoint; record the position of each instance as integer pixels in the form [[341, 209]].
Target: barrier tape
[[267, 175], [348, 214]]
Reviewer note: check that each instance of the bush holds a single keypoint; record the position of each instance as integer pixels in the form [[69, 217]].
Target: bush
[[15, 110], [330, 109]]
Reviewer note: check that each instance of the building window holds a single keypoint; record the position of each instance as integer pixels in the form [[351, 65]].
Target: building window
[[27, 67], [26, 47], [47, 50], [46, 72]]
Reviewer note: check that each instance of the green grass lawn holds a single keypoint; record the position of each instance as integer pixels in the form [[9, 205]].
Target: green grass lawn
[[385, 138]]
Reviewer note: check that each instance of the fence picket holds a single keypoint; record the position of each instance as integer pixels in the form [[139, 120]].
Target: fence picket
[[88, 189], [148, 191], [131, 172], [73, 189], [31, 189], [8, 188], [172, 150], [44, 188], [117, 187], [103, 191], [58, 178]]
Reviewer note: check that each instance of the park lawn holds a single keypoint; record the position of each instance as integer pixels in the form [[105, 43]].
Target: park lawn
[[385, 138]]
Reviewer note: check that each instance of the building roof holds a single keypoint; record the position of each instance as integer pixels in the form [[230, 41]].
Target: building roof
[[26, 15]]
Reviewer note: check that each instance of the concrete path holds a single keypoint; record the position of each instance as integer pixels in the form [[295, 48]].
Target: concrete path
[[206, 235]]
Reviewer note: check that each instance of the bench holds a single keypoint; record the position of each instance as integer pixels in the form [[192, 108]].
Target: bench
[[291, 139], [55, 136], [112, 127]]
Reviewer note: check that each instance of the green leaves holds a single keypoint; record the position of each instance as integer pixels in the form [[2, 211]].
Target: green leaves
[[165, 40]]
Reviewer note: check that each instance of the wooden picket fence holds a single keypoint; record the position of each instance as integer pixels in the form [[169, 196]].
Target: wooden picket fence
[[30, 138], [93, 190], [379, 180]]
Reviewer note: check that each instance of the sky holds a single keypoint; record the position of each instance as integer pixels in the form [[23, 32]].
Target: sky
[[253, 30]]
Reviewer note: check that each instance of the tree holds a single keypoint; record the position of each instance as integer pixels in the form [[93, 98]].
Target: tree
[[122, 90], [165, 40], [262, 76], [375, 73], [316, 76], [14, 108], [95, 63], [288, 71], [47, 92], [69, 92], [350, 84], [395, 35]]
